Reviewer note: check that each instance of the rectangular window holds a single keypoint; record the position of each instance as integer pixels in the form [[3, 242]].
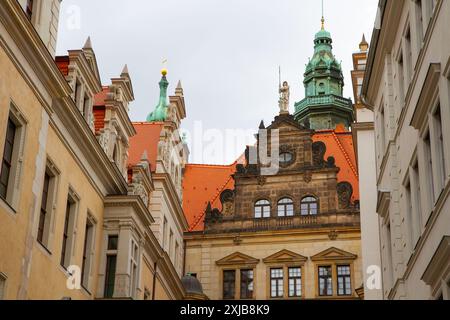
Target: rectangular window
[[382, 127], [419, 21], [164, 233], [247, 285], [401, 79], [68, 232], [171, 244], [29, 9], [77, 95], [5, 174], [344, 281], [229, 284], [43, 216], [87, 252], [111, 262], [134, 266], [2, 286], [439, 143], [295, 282], [87, 108], [277, 283], [325, 281], [429, 168], [410, 214], [416, 202], [408, 59], [177, 252]]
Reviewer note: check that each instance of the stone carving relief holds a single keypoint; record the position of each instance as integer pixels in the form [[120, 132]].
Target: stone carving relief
[[345, 192], [319, 148], [227, 200]]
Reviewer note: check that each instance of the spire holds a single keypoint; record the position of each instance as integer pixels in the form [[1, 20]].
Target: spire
[[363, 46], [125, 70], [262, 126], [88, 44], [160, 112], [179, 89], [323, 18]]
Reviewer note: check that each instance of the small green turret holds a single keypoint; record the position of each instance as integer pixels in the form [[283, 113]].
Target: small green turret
[[324, 106], [160, 112]]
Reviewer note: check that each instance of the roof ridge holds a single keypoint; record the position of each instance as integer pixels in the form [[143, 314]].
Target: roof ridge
[[346, 156], [212, 165], [211, 201]]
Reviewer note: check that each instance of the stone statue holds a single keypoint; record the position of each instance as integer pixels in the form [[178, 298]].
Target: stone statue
[[284, 98]]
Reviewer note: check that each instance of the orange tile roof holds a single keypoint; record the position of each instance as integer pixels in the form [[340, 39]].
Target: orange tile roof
[[99, 109], [340, 146], [145, 140], [63, 64], [205, 183]]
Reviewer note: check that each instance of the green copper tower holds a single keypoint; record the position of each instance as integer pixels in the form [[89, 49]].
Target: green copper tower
[[160, 112], [324, 107]]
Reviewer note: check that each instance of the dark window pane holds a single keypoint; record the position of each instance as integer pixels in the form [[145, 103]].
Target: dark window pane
[[65, 243], [325, 281], [7, 158], [110, 275], [113, 242], [229, 284]]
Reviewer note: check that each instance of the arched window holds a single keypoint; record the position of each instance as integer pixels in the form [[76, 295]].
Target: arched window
[[262, 209], [309, 206], [285, 207], [286, 158]]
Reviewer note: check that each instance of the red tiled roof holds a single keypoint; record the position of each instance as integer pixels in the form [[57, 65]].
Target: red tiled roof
[[145, 140], [63, 64], [340, 146], [205, 183], [99, 109]]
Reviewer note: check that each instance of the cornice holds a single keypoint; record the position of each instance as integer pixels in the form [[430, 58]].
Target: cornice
[[27, 43], [133, 201]]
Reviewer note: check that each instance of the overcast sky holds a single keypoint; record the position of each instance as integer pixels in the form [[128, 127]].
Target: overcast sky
[[225, 52]]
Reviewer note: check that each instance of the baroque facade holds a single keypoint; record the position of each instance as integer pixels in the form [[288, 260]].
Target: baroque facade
[[289, 234], [83, 204], [407, 86]]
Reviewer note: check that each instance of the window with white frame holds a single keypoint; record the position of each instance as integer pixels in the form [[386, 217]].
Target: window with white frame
[[407, 57], [277, 283], [286, 207], [48, 198], [419, 22], [134, 268], [88, 252], [14, 130], [69, 230], [262, 209], [439, 154]]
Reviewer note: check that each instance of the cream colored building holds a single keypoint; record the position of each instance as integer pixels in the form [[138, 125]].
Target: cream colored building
[[71, 202], [407, 85], [364, 144]]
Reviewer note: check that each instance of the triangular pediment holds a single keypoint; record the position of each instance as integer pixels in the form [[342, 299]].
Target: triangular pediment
[[334, 254], [237, 258], [285, 256]]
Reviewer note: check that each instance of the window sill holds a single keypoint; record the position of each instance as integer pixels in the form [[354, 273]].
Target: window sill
[[45, 250], [4, 204]]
